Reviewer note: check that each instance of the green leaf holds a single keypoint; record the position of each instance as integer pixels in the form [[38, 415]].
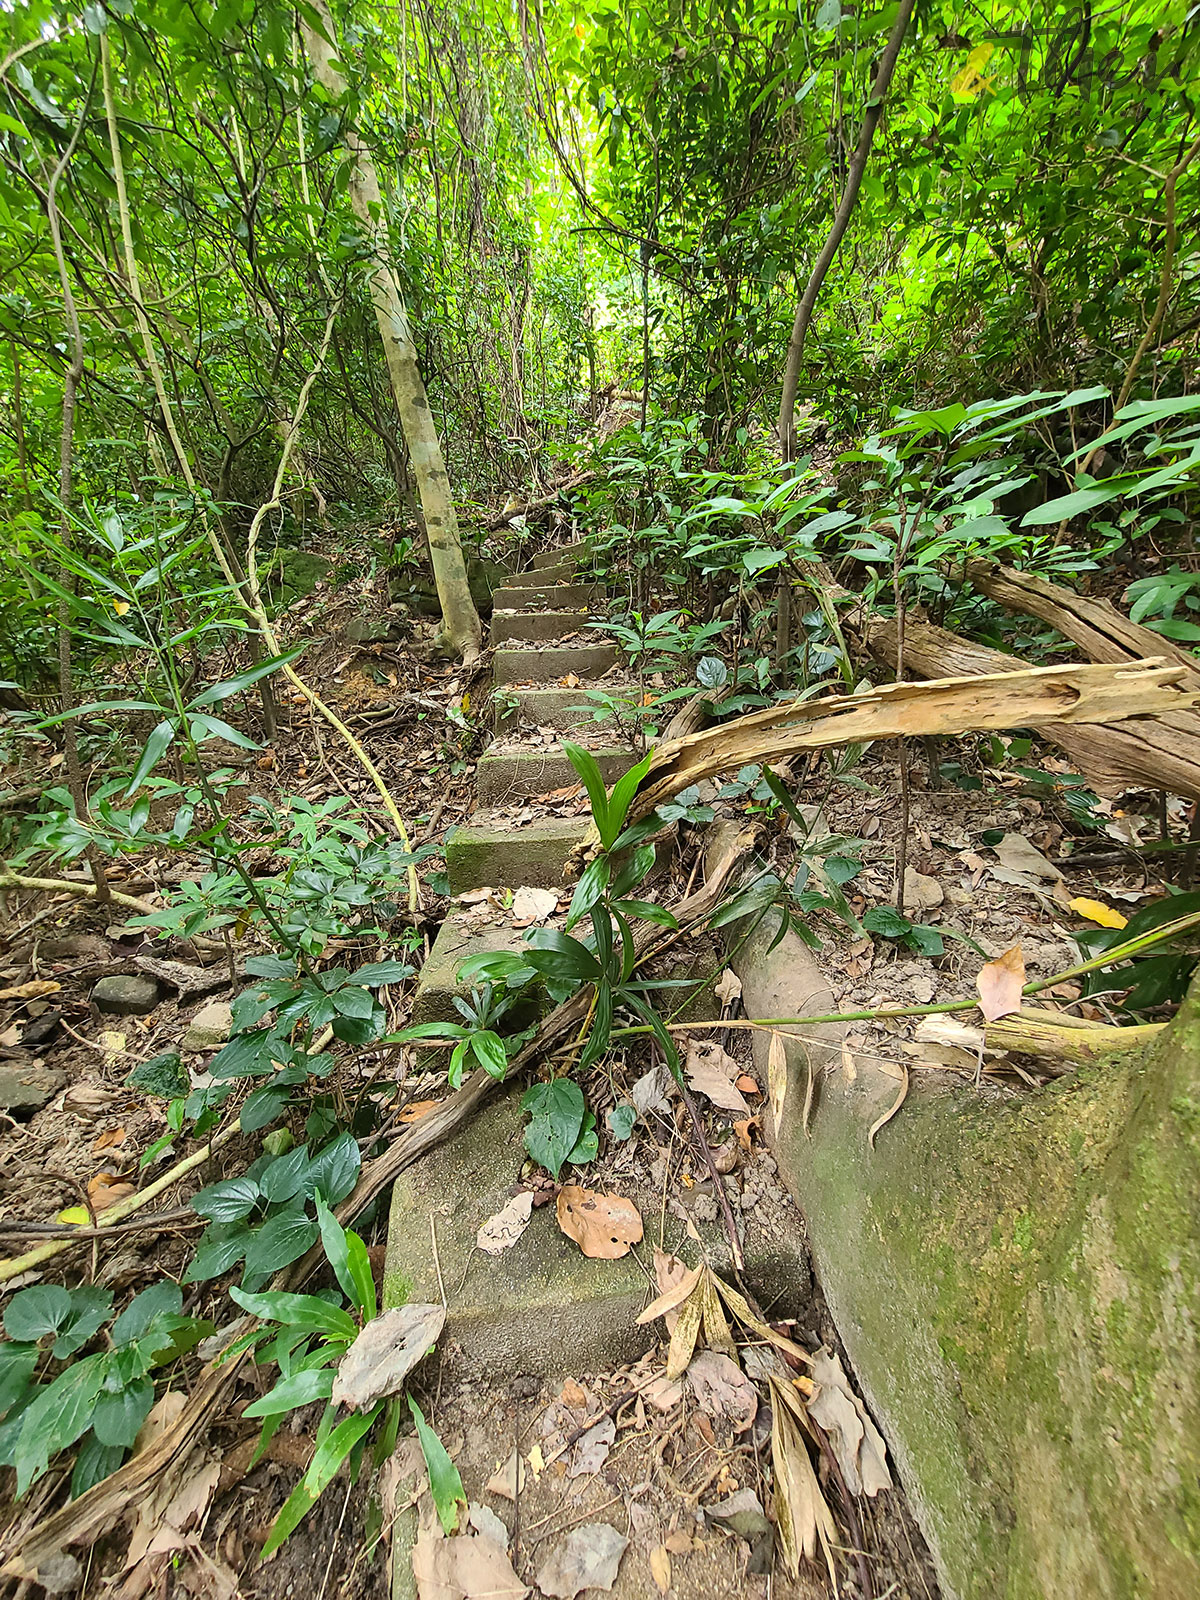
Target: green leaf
[[489, 1051], [587, 1147], [556, 1112], [620, 800], [334, 1170], [216, 1255], [263, 1107], [306, 1311], [589, 773], [17, 1363], [350, 1262], [649, 912], [91, 1307], [300, 1389], [159, 1300], [559, 956], [202, 727], [634, 870], [444, 1481], [280, 1240], [231, 686], [321, 1471], [377, 973], [58, 1415], [33, 1313], [93, 1464], [600, 1031], [231, 1200], [118, 1417], [589, 888], [886, 920], [354, 1002], [621, 1120], [157, 745]]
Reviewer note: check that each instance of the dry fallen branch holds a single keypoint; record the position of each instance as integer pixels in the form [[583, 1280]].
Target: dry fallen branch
[[1061, 1042], [1058, 696]]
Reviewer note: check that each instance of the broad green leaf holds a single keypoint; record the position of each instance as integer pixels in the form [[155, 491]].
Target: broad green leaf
[[298, 1310], [33, 1313], [444, 1482], [377, 973], [559, 956], [334, 1170], [60, 1414], [589, 888], [231, 1200], [160, 1299], [156, 747], [887, 921], [282, 1239], [589, 774], [300, 1389], [619, 801], [556, 1112], [118, 1417], [17, 1364], [488, 1049], [94, 1463]]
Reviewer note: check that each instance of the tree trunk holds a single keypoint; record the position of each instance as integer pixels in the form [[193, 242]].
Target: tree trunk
[[460, 620], [841, 221]]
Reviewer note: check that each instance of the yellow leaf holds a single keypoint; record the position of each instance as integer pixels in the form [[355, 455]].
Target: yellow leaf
[[466, 702], [120, 607], [579, 30], [1097, 911], [74, 1217], [971, 80]]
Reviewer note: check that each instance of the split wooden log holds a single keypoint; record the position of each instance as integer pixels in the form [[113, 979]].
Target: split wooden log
[[1062, 696], [1112, 754]]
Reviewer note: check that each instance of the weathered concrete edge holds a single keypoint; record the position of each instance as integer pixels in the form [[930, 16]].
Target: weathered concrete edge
[[1016, 1282]]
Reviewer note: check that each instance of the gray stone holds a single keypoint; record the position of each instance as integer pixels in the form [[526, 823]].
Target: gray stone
[[369, 630], [26, 1086], [537, 597], [126, 996], [543, 708], [583, 661], [209, 1028], [569, 553], [503, 776], [512, 858]]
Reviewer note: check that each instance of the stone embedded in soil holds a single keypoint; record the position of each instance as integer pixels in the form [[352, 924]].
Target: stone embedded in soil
[[567, 554], [583, 661], [369, 630], [460, 936], [512, 857], [503, 776], [209, 1028], [26, 1086], [541, 1306], [124, 996], [537, 626], [546, 596]]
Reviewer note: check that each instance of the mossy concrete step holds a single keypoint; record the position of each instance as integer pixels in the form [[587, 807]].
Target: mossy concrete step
[[541, 1306], [567, 554], [460, 936], [512, 857], [544, 708], [504, 776], [514, 665], [536, 627], [543, 596]]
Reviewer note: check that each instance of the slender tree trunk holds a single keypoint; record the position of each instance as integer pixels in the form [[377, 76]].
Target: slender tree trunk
[[841, 221], [460, 620]]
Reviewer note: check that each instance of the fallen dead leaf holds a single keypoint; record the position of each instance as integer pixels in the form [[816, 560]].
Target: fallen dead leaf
[[591, 1451], [503, 1230], [805, 1521], [1017, 854], [1000, 983], [385, 1352], [586, 1558], [679, 1543], [506, 1483], [728, 988], [747, 1084], [675, 1283], [34, 990], [722, 1390], [109, 1140], [853, 1437], [416, 1109], [603, 1226], [106, 1188], [711, 1071], [660, 1568], [777, 1079], [533, 905], [469, 1567], [920, 892], [1096, 911], [743, 1130]]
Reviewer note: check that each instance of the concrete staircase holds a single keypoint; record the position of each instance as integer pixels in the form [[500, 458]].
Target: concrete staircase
[[542, 619]]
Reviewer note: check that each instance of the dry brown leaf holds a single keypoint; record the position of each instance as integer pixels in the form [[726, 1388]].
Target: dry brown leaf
[[660, 1568], [748, 1085], [533, 905], [33, 990], [804, 1519], [711, 1071], [510, 1478], [683, 1340], [106, 1188], [585, 1558], [677, 1290], [743, 1131], [1017, 854], [729, 988], [882, 1121], [738, 1304], [603, 1226], [777, 1079], [853, 1437], [385, 1352], [1000, 983], [469, 1567], [722, 1389], [503, 1230], [679, 1543], [108, 1140], [416, 1109]]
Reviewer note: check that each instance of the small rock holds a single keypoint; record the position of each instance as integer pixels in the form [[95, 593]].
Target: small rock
[[41, 1030], [28, 1086], [126, 996], [209, 1028], [921, 893], [368, 630]]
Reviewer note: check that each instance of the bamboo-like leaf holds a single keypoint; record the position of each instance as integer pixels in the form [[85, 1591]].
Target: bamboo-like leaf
[[683, 1340]]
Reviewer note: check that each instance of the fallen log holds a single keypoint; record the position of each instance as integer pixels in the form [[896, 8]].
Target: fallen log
[[1112, 754], [1060, 697]]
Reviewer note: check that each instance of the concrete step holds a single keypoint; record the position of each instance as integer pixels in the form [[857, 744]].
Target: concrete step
[[567, 554], [544, 708], [517, 596], [463, 934], [541, 1306], [511, 857], [514, 665], [538, 627], [563, 572], [504, 775]]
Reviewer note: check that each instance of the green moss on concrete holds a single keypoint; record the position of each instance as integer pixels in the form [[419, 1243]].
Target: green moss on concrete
[[534, 854], [504, 776], [1017, 1279]]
